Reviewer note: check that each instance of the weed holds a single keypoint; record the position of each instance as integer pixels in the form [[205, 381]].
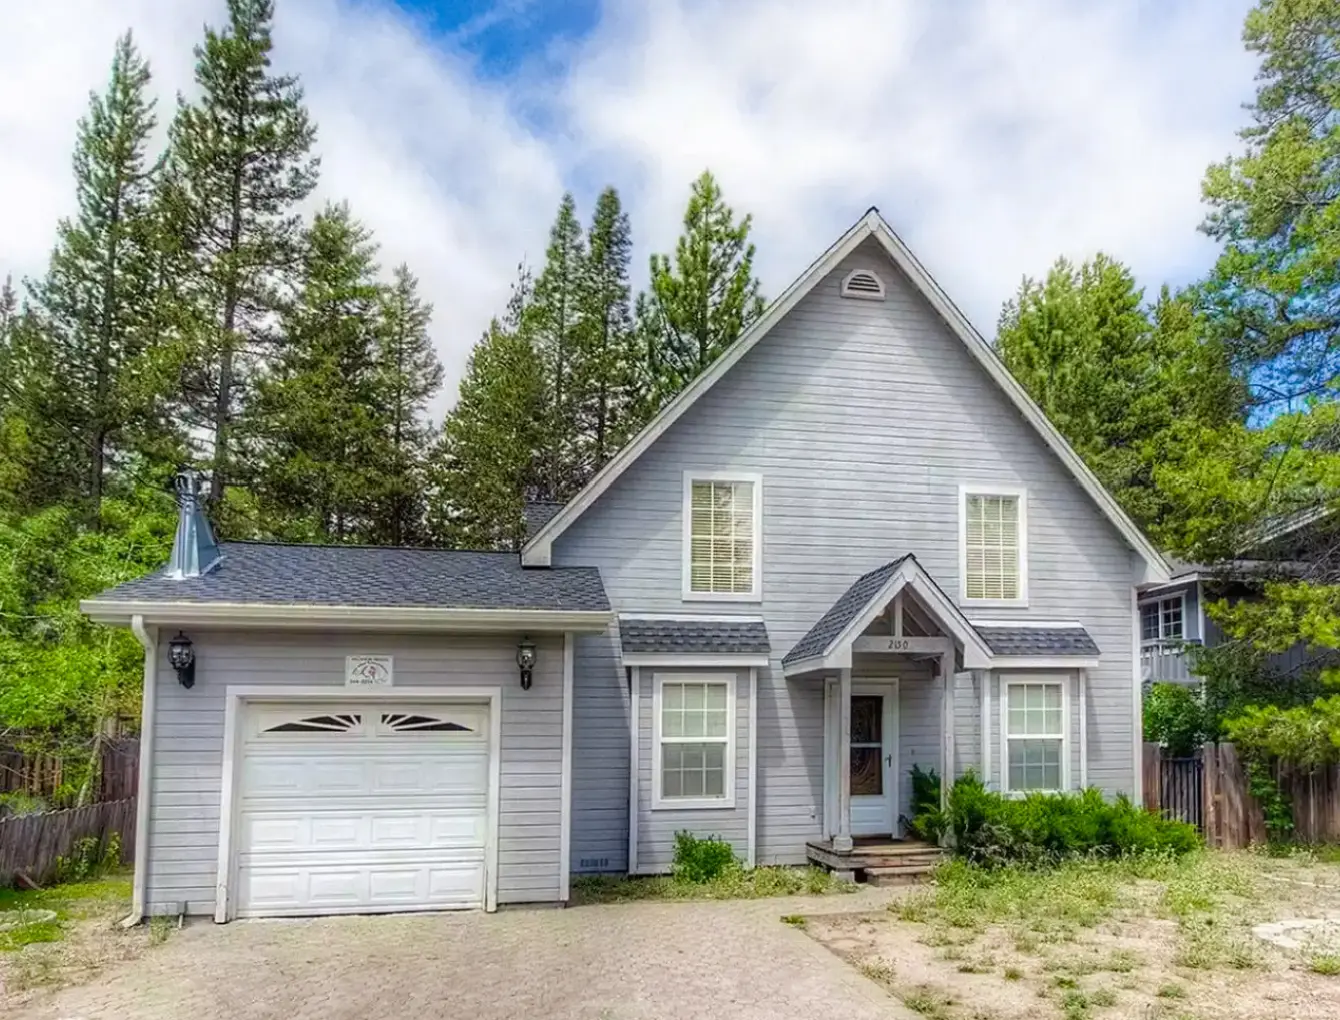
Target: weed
[[1171, 991], [1103, 998], [794, 920], [1013, 974], [1025, 942], [981, 965], [952, 954], [734, 883], [878, 970], [1324, 963], [1075, 1005], [160, 929], [928, 1002], [1121, 961], [915, 909], [1064, 981]]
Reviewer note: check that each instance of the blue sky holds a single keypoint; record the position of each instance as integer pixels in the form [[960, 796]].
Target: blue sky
[[994, 136]]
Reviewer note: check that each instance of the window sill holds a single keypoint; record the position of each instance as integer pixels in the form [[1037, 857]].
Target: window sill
[[694, 804], [707, 596], [967, 603]]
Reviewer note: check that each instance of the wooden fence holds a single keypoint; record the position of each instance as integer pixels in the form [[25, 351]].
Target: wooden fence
[[1230, 816], [41, 775], [30, 845]]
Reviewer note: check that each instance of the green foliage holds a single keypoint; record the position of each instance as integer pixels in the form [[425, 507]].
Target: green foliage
[[702, 859], [89, 858], [733, 883], [926, 821], [699, 303], [1175, 717], [1275, 804], [1306, 736], [991, 829]]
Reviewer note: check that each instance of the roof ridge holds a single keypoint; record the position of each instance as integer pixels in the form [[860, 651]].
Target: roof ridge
[[270, 543]]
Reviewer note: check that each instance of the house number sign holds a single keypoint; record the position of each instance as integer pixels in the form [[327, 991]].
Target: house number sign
[[899, 644], [367, 671]]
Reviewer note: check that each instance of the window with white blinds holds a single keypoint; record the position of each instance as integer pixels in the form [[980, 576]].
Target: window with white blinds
[[721, 538], [993, 547]]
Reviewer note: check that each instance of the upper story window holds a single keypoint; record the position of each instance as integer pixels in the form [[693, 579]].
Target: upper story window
[[1162, 619], [722, 527], [993, 546]]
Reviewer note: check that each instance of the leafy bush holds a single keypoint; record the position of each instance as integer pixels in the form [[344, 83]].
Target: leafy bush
[[89, 858], [1040, 828], [702, 860], [1175, 718], [926, 822]]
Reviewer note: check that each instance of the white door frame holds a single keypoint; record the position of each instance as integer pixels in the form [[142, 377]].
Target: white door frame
[[834, 757], [236, 700], [888, 690]]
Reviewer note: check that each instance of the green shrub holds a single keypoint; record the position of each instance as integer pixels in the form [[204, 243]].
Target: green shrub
[[926, 821], [702, 860], [1040, 828], [1175, 717]]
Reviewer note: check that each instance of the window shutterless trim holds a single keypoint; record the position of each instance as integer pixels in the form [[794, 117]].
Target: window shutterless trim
[[662, 803], [1017, 492], [755, 594], [1064, 736]]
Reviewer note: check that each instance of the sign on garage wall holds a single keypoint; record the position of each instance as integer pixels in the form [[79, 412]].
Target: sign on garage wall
[[367, 671]]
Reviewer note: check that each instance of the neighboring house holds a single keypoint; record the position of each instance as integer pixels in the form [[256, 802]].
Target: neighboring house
[[852, 546], [1173, 619]]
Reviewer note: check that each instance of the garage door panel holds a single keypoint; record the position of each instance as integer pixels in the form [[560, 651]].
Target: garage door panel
[[346, 811]]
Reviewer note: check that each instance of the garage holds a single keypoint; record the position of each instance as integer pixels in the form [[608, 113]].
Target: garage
[[361, 806]]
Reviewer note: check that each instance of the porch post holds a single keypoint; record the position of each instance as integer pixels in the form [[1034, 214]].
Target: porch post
[[946, 724], [842, 841]]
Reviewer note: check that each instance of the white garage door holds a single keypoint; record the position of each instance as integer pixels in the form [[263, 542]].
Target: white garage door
[[361, 807]]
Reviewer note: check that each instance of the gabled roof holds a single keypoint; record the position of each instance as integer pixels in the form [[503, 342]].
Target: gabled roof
[[827, 645], [872, 225]]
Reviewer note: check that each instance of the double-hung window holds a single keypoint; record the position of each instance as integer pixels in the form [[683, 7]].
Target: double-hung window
[[1035, 735], [993, 546], [722, 527], [1162, 620], [694, 732]]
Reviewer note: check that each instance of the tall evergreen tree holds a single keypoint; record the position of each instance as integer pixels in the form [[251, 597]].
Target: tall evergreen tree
[[605, 370], [491, 455], [95, 307], [1117, 382], [9, 314], [408, 375], [553, 317], [699, 303], [239, 166], [315, 423]]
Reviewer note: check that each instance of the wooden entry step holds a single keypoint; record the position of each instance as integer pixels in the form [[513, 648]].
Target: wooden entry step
[[879, 860]]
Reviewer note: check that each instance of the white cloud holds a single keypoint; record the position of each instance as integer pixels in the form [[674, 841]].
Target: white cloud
[[994, 137]]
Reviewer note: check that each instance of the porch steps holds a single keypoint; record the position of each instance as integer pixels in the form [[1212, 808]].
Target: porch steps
[[915, 870], [882, 862]]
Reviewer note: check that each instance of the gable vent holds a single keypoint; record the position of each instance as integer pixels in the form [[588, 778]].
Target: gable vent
[[862, 283]]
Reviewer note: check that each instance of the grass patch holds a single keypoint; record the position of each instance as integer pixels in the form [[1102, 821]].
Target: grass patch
[[73, 901], [1324, 963], [1171, 991], [928, 1002], [878, 970], [735, 883], [1013, 974]]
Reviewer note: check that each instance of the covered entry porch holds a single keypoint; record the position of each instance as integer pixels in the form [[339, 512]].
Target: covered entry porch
[[891, 653]]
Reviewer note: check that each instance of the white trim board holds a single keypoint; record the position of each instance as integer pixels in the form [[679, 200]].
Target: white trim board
[[538, 550], [659, 803], [565, 817], [236, 697], [689, 660]]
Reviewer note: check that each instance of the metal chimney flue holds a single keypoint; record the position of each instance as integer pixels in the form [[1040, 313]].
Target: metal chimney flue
[[194, 551]]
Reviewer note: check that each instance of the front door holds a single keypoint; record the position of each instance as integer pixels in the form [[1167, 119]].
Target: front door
[[874, 757]]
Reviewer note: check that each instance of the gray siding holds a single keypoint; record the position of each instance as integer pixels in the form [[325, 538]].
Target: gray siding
[[863, 417], [656, 828], [600, 756], [188, 753]]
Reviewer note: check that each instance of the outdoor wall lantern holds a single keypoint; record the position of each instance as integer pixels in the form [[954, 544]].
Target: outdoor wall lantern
[[525, 660], [181, 656]]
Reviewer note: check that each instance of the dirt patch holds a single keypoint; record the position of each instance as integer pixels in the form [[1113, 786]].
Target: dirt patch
[[1096, 945], [85, 940]]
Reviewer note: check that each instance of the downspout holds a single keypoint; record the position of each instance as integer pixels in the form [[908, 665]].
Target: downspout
[[148, 637]]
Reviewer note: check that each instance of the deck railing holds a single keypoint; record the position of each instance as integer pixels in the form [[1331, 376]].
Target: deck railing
[[1166, 661]]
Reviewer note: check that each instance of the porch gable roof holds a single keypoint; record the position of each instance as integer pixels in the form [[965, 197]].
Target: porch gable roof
[[828, 644]]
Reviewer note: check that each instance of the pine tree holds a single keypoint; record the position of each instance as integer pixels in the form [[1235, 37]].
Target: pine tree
[[95, 307], [699, 304], [491, 453], [553, 317], [9, 313], [239, 166], [408, 376], [605, 364], [315, 425]]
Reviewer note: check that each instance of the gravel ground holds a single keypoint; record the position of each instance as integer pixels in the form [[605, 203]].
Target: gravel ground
[[717, 960]]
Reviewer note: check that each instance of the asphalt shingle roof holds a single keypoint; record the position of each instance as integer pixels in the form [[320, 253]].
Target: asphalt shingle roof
[[342, 575], [689, 636], [538, 513], [846, 609], [1039, 640]]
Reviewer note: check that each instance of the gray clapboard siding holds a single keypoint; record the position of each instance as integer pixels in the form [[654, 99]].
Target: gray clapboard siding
[[656, 828], [188, 754], [600, 755], [863, 418]]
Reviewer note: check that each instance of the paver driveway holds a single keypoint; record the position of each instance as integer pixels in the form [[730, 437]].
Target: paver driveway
[[724, 961]]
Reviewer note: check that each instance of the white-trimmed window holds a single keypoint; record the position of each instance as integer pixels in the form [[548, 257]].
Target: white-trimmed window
[[722, 527], [1163, 619], [993, 546], [1034, 727], [693, 756]]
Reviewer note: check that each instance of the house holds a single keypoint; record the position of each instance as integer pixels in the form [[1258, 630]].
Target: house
[[852, 546], [1173, 619]]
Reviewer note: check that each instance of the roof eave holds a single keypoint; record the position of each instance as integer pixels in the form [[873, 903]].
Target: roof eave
[[119, 612]]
